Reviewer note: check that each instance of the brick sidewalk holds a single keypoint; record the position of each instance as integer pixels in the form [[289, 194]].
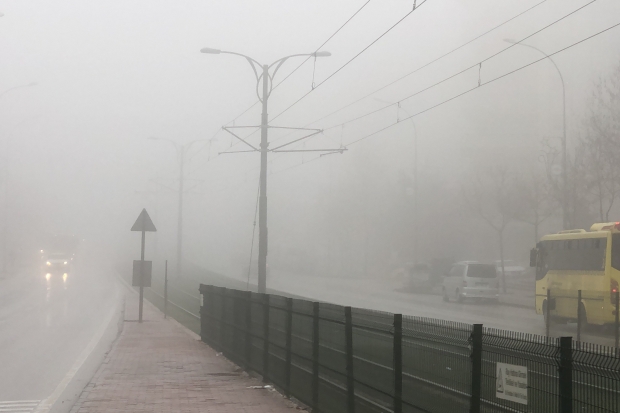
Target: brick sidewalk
[[158, 366]]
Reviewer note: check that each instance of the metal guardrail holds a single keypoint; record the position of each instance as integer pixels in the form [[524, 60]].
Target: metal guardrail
[[343, 359]]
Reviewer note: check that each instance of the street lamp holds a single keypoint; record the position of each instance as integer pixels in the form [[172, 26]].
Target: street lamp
[[565, 221], [182, 151], [267, 79]]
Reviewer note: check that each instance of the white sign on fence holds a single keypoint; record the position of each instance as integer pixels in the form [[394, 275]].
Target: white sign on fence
[[511, 383]]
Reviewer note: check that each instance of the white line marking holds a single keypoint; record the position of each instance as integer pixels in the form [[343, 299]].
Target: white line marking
[[18, 406]]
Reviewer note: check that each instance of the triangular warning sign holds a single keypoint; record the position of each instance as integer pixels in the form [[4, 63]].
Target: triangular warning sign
[[500, 381], [144, 223]]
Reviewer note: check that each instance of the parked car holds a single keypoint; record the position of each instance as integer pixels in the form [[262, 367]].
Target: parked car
[[471, 279], [511, 268]]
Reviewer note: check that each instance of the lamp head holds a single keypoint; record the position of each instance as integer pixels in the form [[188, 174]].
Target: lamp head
[[513, 41], [210, 51], [323, 53]]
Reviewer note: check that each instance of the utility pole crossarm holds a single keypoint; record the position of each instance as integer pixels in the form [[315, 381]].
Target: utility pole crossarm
[[227, 129], [331, 150], [316, 132]]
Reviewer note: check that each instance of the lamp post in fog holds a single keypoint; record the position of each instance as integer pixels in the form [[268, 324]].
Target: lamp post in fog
[[181, 151], [261, 72], [565, 221]]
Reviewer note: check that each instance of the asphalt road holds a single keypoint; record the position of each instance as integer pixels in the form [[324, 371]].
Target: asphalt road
[[381, 295], [46, 326]]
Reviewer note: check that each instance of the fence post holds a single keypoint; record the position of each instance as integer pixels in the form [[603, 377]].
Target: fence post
[[222, 343], [166, 290], [476, 368], [289, 344], [547, 310], [234, 327], [248, 330], [398, 363], [204, 315], [617, 324], [348, 333], [566, 375], [315, 357], [265, 371], [579, 317]]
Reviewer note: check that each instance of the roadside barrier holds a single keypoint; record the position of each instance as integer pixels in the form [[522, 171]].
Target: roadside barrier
[[343, 359]]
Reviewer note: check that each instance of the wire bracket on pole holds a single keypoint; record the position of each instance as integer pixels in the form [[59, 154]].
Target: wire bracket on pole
[[339, 150], [480, 74], [227, 129], [278, 148]]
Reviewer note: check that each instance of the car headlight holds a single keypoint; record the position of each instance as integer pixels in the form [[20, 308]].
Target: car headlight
[[48, 276], [65, 262], [48, 263]]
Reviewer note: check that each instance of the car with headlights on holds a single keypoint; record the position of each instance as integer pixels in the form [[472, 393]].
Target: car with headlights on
[[58, 263]]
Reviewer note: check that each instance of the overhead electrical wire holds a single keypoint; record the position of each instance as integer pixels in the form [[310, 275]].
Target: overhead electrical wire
[[460, 72], [465, 92], [423, 66], [301, 64], [350, 60], [445, 79], [324, 43]]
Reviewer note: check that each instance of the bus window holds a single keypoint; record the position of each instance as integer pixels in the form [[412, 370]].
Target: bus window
[[575, 255], [615, 251]]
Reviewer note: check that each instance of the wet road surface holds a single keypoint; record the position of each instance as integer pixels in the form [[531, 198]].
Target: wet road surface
[[46, 324]]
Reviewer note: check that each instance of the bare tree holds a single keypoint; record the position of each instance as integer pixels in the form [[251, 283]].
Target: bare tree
[[601, 144], [535, 199], [490, 194]]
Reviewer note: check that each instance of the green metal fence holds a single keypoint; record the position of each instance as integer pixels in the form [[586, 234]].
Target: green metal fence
[[343, 359]]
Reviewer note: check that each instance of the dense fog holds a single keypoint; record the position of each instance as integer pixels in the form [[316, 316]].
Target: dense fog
[[76, 158]]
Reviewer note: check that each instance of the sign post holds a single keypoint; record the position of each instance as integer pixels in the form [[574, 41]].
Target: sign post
[[142, 269]]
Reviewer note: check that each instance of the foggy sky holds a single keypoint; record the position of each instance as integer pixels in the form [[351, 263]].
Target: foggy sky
[[110, 74]]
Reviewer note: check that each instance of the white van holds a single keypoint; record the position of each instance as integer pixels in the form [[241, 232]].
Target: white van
[[471, 279]]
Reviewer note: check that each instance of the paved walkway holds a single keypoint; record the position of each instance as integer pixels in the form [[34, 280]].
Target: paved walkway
[[159, 366]]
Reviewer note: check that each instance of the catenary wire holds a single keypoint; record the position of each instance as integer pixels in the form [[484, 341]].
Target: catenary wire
[[475, 65], [349, 61], [461, 94], [301, 64], [452, 76], [421, 67]]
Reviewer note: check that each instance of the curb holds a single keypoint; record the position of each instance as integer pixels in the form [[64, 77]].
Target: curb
[[86, 366]]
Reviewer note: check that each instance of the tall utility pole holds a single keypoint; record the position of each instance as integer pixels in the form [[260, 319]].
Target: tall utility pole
[[267, 88], [566, 218], [181, 151], [263, 241]]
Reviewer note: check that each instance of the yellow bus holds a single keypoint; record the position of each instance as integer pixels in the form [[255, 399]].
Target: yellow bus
[[575, 260]]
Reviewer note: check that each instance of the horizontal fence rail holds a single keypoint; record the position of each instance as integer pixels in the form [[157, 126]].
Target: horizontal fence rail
[[342, 359]]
